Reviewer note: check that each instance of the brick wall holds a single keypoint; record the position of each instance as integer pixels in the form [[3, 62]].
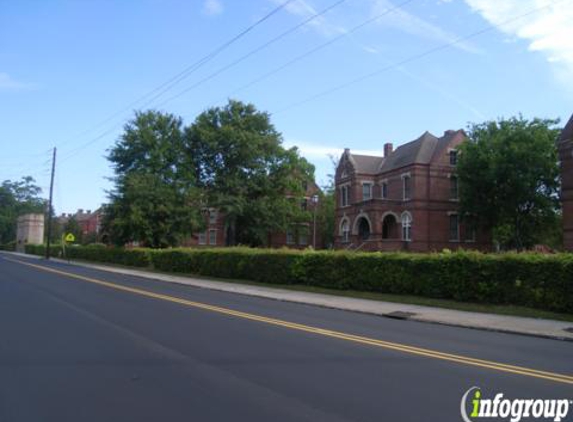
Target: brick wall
[[566, 157]]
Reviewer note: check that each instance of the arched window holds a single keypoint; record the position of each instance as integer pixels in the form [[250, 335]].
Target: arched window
[[363, 228], [345, 231], [406, 226]]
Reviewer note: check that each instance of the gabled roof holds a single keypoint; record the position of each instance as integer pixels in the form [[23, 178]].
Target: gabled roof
[[367, 164], [420, 151], [567, 132]]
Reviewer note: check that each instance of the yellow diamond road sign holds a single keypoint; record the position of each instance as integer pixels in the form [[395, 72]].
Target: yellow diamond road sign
[[70, 237]]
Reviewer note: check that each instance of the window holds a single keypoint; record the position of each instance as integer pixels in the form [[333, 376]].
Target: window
[[212, 237], [454, 193], [290, 236], [384, 190], [212, 217], [454, 227], [345, 229], [366, 191], [304, 204], [406, 226], [303, 235], [407, 187], [344, 196], [453, 157], [203, 238]]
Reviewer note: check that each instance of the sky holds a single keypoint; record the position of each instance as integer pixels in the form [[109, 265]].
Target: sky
[[333, 74]]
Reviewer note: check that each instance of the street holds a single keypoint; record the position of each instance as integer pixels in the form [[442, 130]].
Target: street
[[84, 345]]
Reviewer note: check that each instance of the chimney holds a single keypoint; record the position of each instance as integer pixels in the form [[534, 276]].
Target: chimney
[[388, 148], [346, 150]]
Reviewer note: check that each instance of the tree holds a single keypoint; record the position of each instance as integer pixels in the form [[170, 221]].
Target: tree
[[72, 226], [326, 219], [154, 201], [17, 198], [509, 179], [246, 173]]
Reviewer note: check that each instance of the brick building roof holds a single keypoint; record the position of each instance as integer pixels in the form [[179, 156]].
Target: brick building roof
[[367, 164], [418, 151]]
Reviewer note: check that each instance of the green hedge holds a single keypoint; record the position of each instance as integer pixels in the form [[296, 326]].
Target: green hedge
[[10, 246], [263, 265], [533, 280], [130, 257]]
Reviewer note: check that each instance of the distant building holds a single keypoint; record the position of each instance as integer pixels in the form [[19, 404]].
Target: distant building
[[565, 146], [404, 200], [89, 222], [299, 236], [30, 230]]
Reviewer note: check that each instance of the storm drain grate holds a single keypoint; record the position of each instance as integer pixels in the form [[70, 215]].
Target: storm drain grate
[[400, 315]]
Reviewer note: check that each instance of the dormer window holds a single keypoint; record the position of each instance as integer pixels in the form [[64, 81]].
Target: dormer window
[[453, 157], [366, 191]]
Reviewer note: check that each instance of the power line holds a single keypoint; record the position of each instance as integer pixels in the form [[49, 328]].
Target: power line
[[320, 47], [174, 80], [412, 58], [221, 70], [85, 145], [33, 168], [255, 50]]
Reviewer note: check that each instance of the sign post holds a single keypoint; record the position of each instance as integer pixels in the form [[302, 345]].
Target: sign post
[[68, 238]]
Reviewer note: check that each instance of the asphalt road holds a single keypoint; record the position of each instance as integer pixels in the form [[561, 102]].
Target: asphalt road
[[108, 347]]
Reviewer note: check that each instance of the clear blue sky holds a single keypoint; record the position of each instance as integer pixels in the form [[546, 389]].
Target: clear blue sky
[[66, 66]]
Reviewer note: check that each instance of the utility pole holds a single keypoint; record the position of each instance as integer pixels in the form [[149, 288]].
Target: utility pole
[[50, 205]]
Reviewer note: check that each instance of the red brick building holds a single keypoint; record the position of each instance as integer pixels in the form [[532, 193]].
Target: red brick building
[[565, 145], [89, 222], [298, 236], [405, 200]]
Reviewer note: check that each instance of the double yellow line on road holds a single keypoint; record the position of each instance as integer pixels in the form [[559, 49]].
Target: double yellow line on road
[[465, 360]]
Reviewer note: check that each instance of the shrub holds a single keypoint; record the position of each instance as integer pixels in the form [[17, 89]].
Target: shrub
[[10, 246], [136, 257], [240, 263], [40, 250], [538, 281]]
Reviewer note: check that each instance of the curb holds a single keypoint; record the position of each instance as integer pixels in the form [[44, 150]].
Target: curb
[[397, 311]]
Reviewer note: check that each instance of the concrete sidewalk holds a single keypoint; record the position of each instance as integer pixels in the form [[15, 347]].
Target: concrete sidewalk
[[510, 324]]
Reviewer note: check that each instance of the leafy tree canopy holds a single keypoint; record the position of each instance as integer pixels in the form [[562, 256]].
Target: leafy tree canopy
[[509, 179], [17, 198], [245, 172], [154, 201]]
